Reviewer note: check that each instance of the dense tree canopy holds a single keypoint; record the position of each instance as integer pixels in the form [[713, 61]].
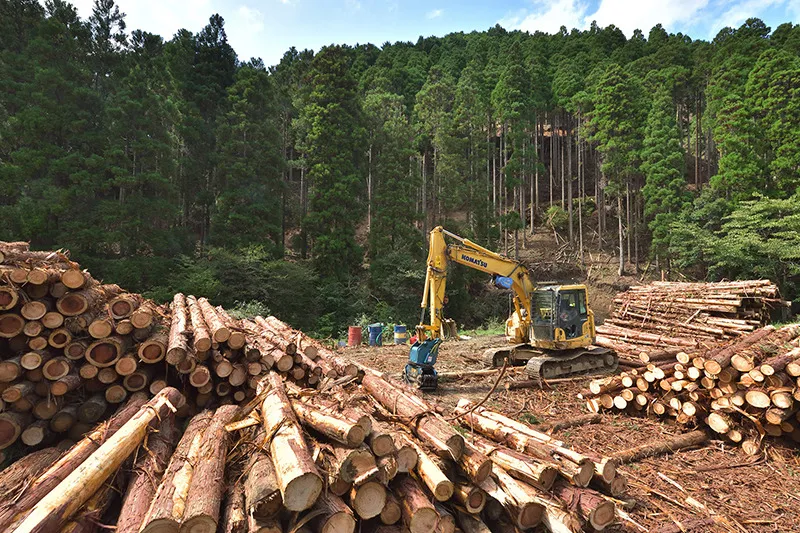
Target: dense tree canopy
[[165, 162]]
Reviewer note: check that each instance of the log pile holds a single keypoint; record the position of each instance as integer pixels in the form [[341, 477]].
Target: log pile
[[281, 434], [73, 349], [326, 460], [687, 316], [746, 389]]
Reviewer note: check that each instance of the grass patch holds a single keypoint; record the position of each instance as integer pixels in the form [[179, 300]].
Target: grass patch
[[487, 330]]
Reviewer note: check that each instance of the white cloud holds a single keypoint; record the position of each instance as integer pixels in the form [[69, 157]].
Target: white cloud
[[628, 15], [740, 12], [436, 13], [244, 25], [644, 14], [549, 15], [251, 18]]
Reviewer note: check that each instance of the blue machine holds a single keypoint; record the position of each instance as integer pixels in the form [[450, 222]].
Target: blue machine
[[421, 359]]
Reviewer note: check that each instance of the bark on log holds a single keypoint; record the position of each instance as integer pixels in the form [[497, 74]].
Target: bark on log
[[8, 298], [15, 477], [91, 299], [721, 358], [470, 497], [106, 352], [178, 342], [592, 506], [525, 513], [64, 419], [153, 349], [576, 421], [143, 317], [124, 305], [219, 331], [663, 445], [207, 488], [234, 519], [470, 523], [419, 514], [297, 475], [343, 431], [432, 476], [261, 490], [59, 504], [334, 515], [167, 507], [537, 472], [146, 476], [425, 423], [200, 333]]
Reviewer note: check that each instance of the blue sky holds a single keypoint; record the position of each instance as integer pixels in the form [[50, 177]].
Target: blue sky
[[267, 28]]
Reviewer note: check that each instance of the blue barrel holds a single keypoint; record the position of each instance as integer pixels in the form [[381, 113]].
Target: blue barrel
[[400, 335], [375, 332]]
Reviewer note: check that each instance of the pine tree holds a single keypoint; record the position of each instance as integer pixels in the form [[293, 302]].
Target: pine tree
[[333, 147], [140, 201], [248, 207], [665, 194], [616, 124]]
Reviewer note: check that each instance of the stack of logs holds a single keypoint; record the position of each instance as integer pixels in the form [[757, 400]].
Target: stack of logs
[[282, 434], [371, 456], [73, 349], [687, 316], [745, 389]]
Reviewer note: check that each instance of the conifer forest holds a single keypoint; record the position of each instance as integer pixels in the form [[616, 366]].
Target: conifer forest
[[307, 189]]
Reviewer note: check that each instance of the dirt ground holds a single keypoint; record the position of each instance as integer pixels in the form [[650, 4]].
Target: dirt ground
[[747, 494]]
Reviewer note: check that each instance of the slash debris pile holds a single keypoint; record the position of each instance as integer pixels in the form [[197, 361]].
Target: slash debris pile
[[745, 389], [681, 316], [301, 440]]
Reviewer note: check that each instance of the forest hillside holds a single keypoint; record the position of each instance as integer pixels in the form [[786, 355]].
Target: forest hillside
[[167, 163]]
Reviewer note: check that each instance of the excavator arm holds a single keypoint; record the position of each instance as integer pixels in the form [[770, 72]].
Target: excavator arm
[[510, 274]]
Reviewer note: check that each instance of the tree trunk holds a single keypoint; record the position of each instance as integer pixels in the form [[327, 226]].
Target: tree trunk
[[621, 269], [169, 503], [419, 514], [200, 333], [664, 445], [146, 476], [178, 343], [334, 516], [59, 505], [427, 426], [206, 490], [11, 510], [297, 475]]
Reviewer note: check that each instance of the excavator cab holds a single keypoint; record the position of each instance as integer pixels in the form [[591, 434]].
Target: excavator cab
[[562, 319]]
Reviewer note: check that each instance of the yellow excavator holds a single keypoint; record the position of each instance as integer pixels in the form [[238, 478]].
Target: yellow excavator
[[551, 329]]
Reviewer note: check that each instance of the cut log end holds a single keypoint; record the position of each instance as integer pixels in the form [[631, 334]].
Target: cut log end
[[424, 520], [302, 491], [602, 515], [368, 500]]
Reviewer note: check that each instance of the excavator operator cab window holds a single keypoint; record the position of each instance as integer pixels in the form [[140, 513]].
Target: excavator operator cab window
[[572, 312]]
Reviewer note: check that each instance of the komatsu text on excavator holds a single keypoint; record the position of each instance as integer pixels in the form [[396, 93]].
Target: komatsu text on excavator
[[551, 328]]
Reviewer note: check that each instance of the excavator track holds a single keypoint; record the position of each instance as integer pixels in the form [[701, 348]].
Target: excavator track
[[544, 364]]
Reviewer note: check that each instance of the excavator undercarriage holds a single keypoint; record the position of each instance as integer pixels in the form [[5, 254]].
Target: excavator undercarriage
[[548, 364]]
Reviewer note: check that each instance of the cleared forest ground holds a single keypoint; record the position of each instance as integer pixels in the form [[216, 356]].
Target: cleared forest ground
[[749, 494]]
